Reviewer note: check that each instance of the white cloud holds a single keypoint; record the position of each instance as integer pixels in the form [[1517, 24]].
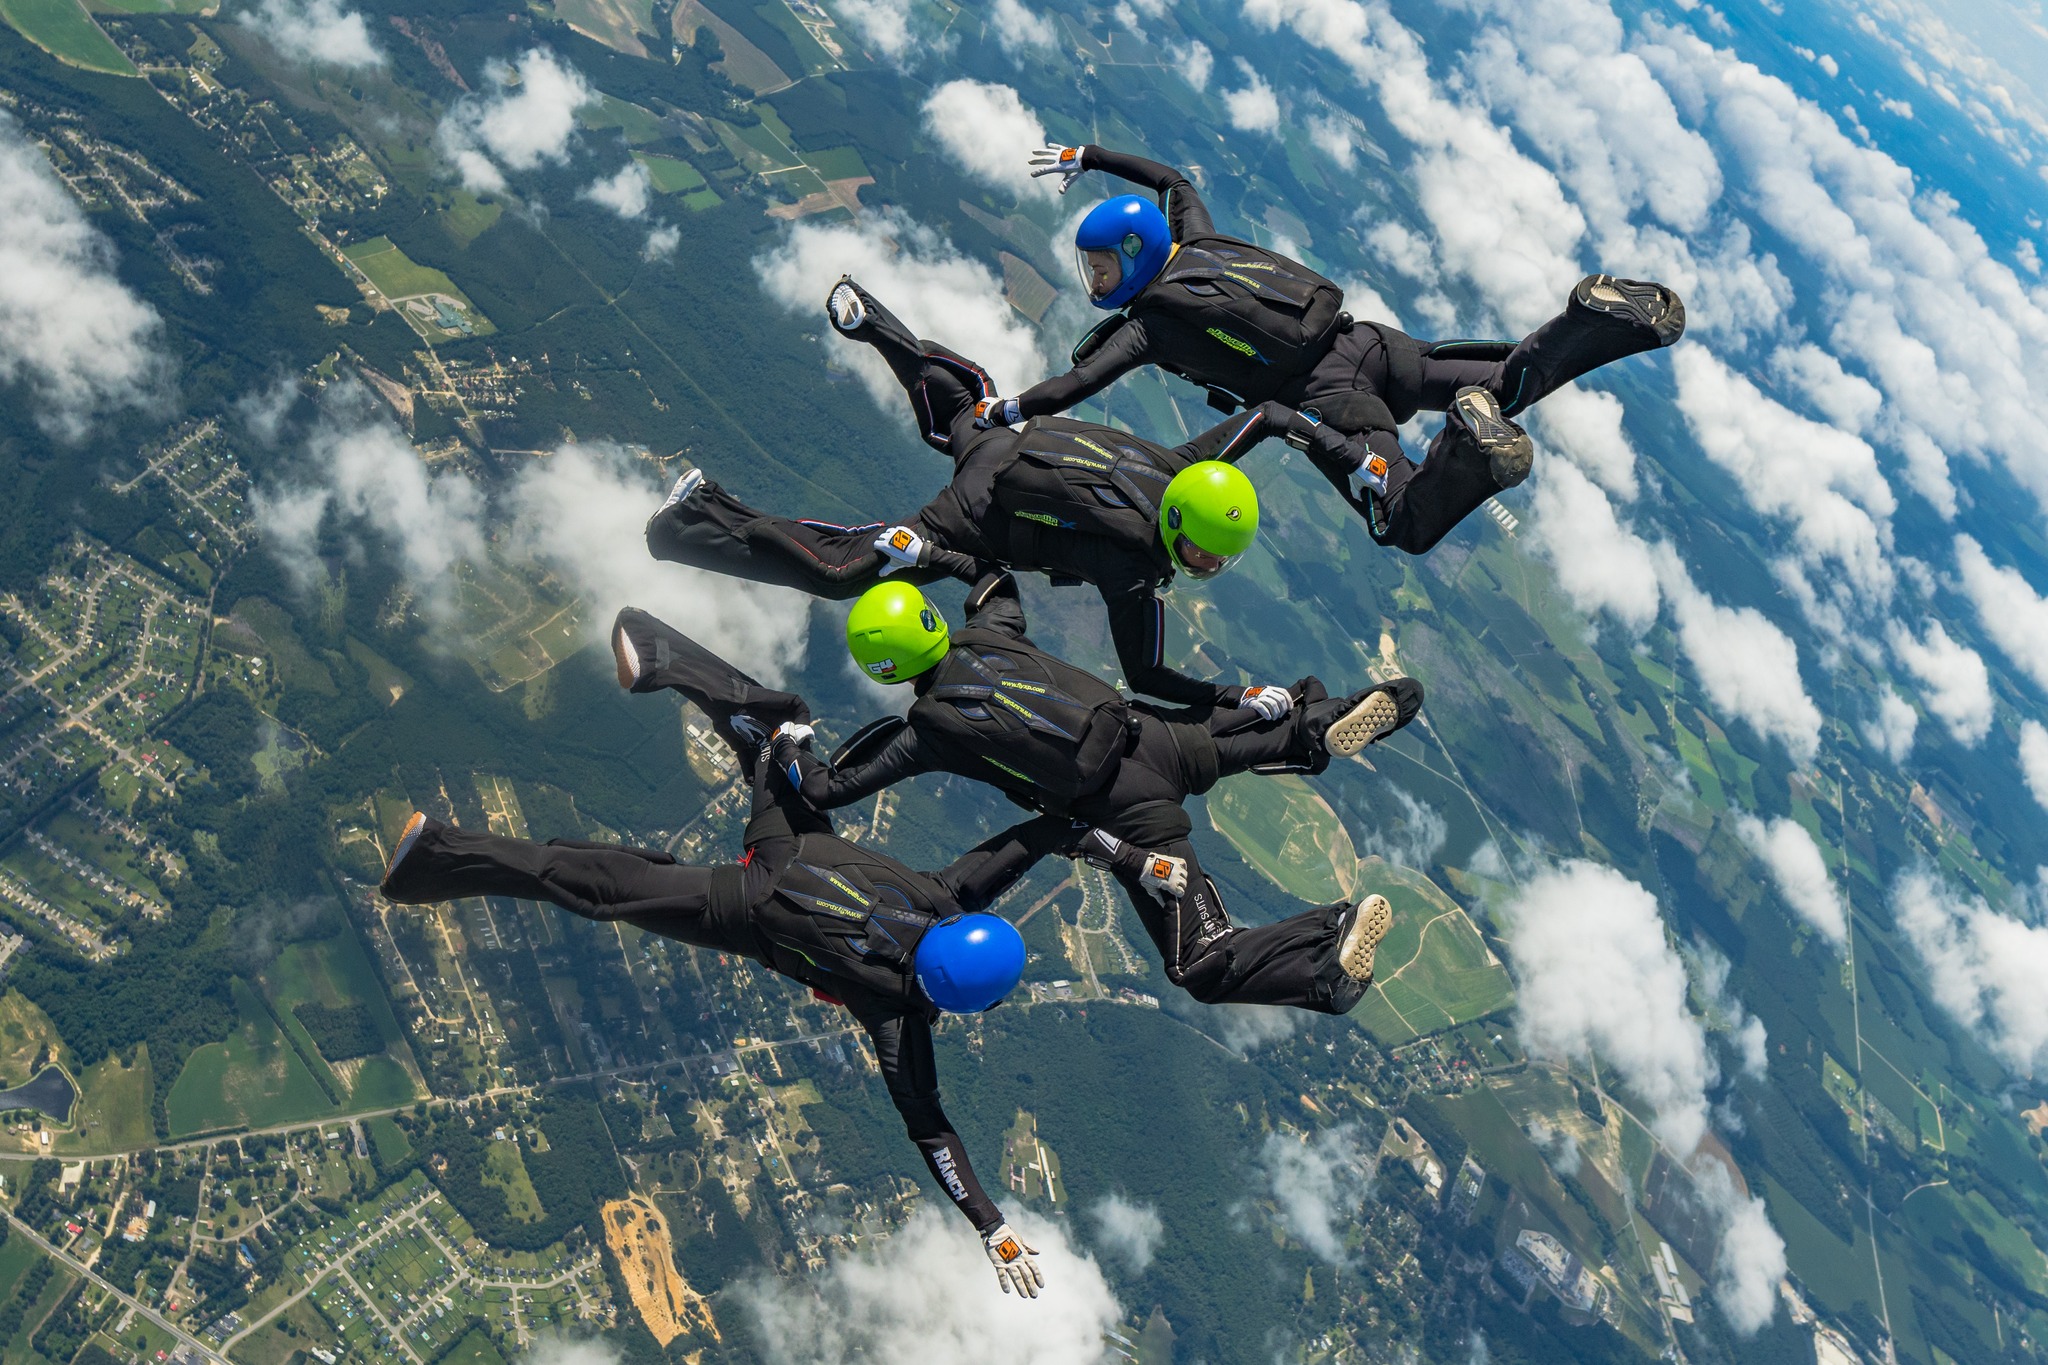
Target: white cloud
[[75, 338], [1559, 1148], [1586, 425], [1254, 109], [1748, 668], [1830, 492], [1318, 1183], [1410, 837], [1800, 873], [1335, 137], [1195, 61], [582, 513], [1407, 251], [1986, 968], [625, 193], [1130, 1230], [662, 242], [1020, 30], [360, 469], [924, 280], [2008, 609], [1521, 252], [316, 32], [1247, 1028], [1751, 1258], [1897, 108], [527, 117], [2034, 759], [1891, 730], [989, 132], [550, 1348], [1596, 977], [1846, 400], [927, 1294], [1600, 564], [1830, 65], [884, 25], [1956, 687]]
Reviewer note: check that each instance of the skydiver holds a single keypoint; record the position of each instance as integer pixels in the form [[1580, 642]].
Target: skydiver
[[1073, 499], [1252, 326], [992, 706], [896, 947]]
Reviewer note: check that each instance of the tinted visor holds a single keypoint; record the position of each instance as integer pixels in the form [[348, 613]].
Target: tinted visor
[[1102, 269], [1198, 562]]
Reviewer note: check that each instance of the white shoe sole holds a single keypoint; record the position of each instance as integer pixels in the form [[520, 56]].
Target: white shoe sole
[[1377, 715], [690, 482], [847, 312], [413, 826], [1375, 916], [627, 658]]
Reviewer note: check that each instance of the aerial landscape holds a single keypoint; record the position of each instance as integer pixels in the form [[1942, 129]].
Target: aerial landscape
[[347, 348]]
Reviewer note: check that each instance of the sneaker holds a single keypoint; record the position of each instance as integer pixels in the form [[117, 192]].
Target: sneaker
[[1369, 924], [690, 482], [1507, 447], [1369, 717], [1635, 303], [844, 306], [413, 829], [626, 655]]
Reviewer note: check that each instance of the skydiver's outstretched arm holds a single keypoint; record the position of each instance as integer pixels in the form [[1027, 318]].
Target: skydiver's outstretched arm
[[1179, 200], [824, 787], [979, 877], [903, 1046]]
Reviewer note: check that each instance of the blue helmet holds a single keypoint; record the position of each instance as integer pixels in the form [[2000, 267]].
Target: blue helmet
[[1121, 246], [966, 963]]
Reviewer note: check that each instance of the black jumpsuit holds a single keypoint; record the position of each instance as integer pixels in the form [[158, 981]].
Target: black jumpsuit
[[988, 515], [760, 909], [1370, 378], [1170, 757]]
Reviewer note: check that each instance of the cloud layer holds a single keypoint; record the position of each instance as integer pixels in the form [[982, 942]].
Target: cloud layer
[[75, 339], [859, 1309], [315, 32], [1799, 872], [1986, 968], [989, 133], [1318, 1183], [526, 117]]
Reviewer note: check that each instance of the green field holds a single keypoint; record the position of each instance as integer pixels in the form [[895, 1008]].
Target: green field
[[334, 971], [408, 284], [635, 124], [112, 1112], [15, 1259], [670, 175], [617, 24], [206, 8], [1287, 831], [254, 1079], [63, 29], [1433, 970]]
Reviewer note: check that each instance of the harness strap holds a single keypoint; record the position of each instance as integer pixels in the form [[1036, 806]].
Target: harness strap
[[1153, 824], [1197, 754], [728, 890]]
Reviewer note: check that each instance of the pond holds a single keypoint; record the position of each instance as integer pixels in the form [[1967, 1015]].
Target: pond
[[50, 1093]]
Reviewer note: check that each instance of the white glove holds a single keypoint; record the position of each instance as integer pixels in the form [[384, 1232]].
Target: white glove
[[1270, 702], [795, 732], [903, 547], [1016, 1264], [996, 412], [1064, 162], [1165, 877]]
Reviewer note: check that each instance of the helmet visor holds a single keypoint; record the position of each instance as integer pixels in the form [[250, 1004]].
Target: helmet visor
[[1198, 562], [1102, 269]]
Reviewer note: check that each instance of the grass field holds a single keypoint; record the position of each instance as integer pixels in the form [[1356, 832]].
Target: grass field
[[206, 8], [634, 123], [63, 29], [474, 1349], [412, 286], [25, 1033], [617, 24], [504, 1169], [388, 1138], [744, 64], [113, 1107], [1433, 970], [670, 175], [15, 1259], [254, 1078], [467, 218], [1288, 832], [334, 971], [38, 1313]]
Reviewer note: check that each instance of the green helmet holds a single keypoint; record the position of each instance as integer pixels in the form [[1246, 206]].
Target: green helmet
[[894, 634], [1209, 516]]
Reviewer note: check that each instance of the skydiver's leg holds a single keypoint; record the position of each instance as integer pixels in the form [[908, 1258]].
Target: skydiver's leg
[[605, 882], [943, 386], [711, 529], [652, 655], [1304, 739], [1604, 320], [1294, 962]]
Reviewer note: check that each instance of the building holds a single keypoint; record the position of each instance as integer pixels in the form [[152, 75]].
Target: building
[[1561, 1272]]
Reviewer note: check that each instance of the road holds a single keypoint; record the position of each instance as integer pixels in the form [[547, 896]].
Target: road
[[78, 1267]]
